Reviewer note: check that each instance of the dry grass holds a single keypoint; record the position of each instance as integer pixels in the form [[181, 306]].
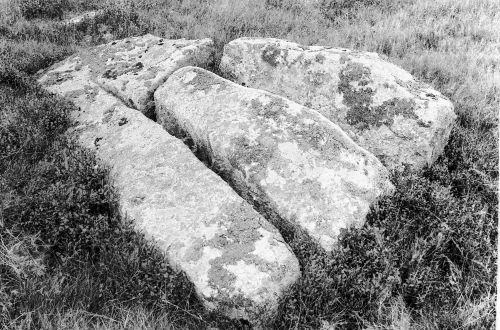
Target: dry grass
[[453, 45]]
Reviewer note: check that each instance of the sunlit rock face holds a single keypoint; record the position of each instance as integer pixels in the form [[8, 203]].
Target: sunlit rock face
[[405, 123], [133, 68], [279, 154], [238, 263]]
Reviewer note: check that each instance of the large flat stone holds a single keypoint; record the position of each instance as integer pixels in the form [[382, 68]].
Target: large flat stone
[[378, 104], [275, 152], [133, 68], [238, 262]]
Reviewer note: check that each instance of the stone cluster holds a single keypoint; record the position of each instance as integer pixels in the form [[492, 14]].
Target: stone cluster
[[300, 134]]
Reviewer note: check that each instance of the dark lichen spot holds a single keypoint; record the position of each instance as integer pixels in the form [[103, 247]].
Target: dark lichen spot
[[58, 77], [320, 58], [188, 51], [317, 78], [396, 107], [358, 99], [131, 103], [121, 69], [204, 81], [75, 93], [313, 187], [256, 154], [195, 251], [271, 110], [344, 59], [122, 121], [319, 138], [271, 54], [237, 243], [137, 200], [110, 74], [422, 123], [96, 141]]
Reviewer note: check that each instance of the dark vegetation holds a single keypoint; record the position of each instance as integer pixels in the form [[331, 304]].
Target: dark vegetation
[[425, 259]]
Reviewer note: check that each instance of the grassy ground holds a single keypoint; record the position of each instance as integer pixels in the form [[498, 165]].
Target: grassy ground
[[425, 260]]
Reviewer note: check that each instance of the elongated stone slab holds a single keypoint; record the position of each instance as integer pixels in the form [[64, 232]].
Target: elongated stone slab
[[238, 262], [276, 152], [133, 68], [378, 104]]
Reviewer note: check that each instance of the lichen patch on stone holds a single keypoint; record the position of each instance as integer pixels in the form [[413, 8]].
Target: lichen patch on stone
[[268, 147], [161, 185], [203, 82], [272, 55], [355, 86]]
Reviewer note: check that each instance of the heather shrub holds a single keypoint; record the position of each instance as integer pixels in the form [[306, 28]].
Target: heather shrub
[[333, 9], [426, 258], [30, 123], [85, 256], [432, 241], [53, 9]]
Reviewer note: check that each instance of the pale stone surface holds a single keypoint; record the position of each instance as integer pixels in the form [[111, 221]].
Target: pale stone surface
[[133, 68], [378, 104], [276, 152], [78, 19], [238, 262]]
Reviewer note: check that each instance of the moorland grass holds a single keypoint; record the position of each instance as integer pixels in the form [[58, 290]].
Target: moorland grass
[[426, 259]]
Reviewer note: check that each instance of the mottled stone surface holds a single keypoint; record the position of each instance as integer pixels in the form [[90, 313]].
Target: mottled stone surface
[[133, 68], [276, 152], [238, 262], [78, 19], [378, 104]]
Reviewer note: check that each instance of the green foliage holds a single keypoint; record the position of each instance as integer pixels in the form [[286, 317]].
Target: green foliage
[[86, 256], [30, 124], [333, 9], [53, 9], [430, 248], [70, 205], [427, 244]]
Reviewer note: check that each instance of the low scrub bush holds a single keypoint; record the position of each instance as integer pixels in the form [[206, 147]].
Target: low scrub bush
[[333, 9], [86, 257], [431, 244], [30, 123], [426, 256], [53, 9]]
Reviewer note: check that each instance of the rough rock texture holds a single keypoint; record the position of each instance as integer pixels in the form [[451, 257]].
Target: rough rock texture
[[275, 151], [133, 68], [238, 263], [78, 19], [379, 105]]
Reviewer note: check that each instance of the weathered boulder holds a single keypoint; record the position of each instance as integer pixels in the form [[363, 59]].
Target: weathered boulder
[[379, 105], [275, 152], [133, 68], [238, 262]]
